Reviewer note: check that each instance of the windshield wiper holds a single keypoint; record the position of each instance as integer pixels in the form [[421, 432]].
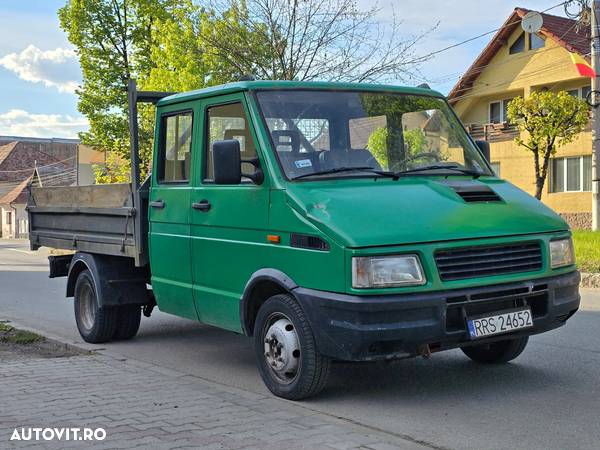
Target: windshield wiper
[[472, 173], [348, 169]]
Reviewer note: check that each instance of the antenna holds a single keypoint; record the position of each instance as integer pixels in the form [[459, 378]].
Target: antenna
[[532, 22]]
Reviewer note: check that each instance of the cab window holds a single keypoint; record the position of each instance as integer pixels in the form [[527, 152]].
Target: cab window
[[227, 122], [175, 148]]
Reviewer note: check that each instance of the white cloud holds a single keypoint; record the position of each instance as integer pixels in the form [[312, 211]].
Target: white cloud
[[17, 122], [57, 68]]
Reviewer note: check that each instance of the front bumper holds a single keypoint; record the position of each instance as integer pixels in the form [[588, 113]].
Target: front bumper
[[365, 328]]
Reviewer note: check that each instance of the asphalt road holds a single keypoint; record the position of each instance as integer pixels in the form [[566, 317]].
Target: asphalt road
[[549, 398]]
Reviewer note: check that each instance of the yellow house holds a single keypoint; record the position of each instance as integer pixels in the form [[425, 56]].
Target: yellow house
[[515, 63]]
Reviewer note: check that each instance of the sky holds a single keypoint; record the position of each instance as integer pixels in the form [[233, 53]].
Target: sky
[[39, 70]]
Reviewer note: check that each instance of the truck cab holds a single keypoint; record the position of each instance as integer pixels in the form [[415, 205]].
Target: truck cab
[[332, 221]]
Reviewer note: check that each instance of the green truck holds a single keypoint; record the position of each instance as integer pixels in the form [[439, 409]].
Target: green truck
[[328, 221]]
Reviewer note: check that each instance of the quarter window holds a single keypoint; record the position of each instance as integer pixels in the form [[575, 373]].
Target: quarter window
[[571, 174], [227, 122], [176, 147]]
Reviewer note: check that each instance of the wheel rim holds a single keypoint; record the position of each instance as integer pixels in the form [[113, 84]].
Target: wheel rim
[[87, 307], [281, 348]]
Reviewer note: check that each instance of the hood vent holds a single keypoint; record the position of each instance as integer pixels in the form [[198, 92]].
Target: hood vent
[[310, 242], [476, 193]]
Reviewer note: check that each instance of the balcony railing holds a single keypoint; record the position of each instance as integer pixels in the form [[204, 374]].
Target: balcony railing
[[500, 131], [492, 131]]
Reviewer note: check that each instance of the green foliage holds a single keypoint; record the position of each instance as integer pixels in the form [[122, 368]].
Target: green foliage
[[114, 40], [114, 170], [11, 335], [377, 145], [415, 142], [180, 45], [587, 250], [549, 120]]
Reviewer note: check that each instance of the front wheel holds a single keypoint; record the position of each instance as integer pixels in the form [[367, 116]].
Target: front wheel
[[496, 352], [288, 359]]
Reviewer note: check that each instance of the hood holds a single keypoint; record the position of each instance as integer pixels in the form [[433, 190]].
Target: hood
[[365, 213]]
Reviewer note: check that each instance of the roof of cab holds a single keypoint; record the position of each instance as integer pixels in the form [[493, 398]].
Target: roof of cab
[[241, 86]]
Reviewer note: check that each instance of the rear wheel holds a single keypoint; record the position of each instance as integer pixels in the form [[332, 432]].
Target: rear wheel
[[128, 321], [95, 324], [496, 352], [288, 359]]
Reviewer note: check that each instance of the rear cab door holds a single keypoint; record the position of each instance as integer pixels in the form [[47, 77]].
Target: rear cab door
[[169, 211]]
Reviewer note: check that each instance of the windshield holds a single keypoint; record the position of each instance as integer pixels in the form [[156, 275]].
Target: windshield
[[320, 133]]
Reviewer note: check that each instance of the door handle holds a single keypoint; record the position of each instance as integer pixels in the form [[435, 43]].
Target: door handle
[[203, 205], [158, 204]]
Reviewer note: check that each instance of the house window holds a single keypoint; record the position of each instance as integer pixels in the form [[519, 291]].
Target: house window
[[495, 115], [572, 174], [498, 111], [536, 41], [9, 218], [581, 92], [518, 46], [496, 168]]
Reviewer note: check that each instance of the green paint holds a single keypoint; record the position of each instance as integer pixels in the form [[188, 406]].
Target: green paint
[[201, 261]]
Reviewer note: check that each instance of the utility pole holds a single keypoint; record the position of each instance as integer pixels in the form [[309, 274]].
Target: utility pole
[[595, 115]]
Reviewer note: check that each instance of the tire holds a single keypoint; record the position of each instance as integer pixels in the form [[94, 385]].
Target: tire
[[497, 352], [95, 324], [283, 331], [128, 322]]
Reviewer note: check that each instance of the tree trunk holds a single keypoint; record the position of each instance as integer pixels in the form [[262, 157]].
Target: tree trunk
[[539, 187]]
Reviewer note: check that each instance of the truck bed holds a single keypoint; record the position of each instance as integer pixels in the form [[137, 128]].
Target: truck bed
[[95, 219]]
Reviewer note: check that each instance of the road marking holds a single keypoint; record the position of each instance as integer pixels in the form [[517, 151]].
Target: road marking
[[27, 252]]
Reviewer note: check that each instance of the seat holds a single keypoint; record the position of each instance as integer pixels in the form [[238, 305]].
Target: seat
[[287, 145], [348, 158]]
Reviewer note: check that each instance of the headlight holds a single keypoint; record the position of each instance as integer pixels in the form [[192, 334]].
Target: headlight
[[386, 271], [561, 253]]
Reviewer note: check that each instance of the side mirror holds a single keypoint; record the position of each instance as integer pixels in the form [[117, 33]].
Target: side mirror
[[484, 147], [227, 164]]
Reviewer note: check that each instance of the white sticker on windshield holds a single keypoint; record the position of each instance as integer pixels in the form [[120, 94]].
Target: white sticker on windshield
[[302, 163]]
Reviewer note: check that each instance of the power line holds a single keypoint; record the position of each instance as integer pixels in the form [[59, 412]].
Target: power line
[[479, 36], [39, 167]]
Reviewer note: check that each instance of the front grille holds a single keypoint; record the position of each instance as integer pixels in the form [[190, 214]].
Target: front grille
[[485, 261]]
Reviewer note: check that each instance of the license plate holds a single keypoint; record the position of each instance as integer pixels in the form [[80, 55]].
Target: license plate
[[504, 322]]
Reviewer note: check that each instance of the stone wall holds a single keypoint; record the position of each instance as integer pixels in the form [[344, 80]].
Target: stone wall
[[578, 221]]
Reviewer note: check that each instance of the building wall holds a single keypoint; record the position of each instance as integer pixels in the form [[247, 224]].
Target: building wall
[[508, 76], [88, 156], [19, 225]]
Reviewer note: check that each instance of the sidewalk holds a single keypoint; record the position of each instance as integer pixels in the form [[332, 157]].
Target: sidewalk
[[151, 407]]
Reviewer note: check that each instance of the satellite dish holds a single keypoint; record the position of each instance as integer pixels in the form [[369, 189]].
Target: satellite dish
[[532, 22]]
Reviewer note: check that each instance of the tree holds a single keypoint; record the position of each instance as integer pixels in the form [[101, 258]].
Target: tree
[[113, 39], [332, 40], [178, 45], [549, 121]]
